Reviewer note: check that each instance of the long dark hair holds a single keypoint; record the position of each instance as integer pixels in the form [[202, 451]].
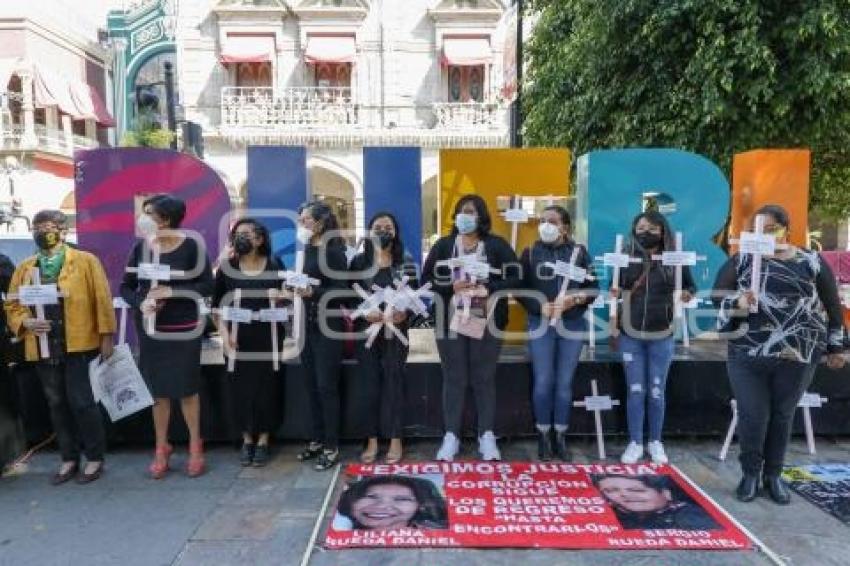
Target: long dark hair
[[396, 248], [668, 241], [432, 512], [325, 217], [484, 221], [264, 249]]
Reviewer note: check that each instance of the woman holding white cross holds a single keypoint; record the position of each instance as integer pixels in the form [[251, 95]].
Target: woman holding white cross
[[644, 330], [776, 334], [249, 280], [555, 348]]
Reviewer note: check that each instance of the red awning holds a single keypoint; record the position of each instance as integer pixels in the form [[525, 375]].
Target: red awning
[[330, 49], [467, 51], [247, 49], [51, 89], [89, 104]]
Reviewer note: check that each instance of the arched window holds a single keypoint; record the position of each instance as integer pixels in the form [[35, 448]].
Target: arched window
[[149, 86]]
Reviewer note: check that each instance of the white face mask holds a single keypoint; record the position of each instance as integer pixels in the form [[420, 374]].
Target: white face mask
[[146, 226], [465, 223], [304, 234], [548, 232]]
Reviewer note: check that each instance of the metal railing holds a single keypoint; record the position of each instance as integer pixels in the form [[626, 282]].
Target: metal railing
[[46, 139], [267, 107], [460, 115]]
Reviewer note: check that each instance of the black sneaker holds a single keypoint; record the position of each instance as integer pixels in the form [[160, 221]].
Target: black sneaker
[[310, 451], [544, 446], [559, 446], [261, 455], [246, 456], [327, 460]]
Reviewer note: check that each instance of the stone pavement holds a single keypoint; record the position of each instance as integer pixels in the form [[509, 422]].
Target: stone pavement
[[264, 516]]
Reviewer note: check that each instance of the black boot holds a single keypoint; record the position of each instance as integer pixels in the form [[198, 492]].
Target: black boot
[[776, 489], [544, 446], [559, 446], [748, 488]]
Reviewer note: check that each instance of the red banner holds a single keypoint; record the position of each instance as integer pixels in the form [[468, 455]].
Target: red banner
[[547, 505]]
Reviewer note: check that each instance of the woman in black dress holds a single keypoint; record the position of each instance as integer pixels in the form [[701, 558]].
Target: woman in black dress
[[321, 352], [777, 336], [255, 383], [170, 355], [382, 363]]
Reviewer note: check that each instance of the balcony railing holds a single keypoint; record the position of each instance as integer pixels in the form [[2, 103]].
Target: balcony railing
[[269, 108], [462, 115], [46, 139]]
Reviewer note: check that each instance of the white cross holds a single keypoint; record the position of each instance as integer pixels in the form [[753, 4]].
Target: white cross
[[757, 244], [598, 302], [515, 215], [37, 295], [372, 303], [299, 281], [471, 266], [120, 304], [405, 298], [274, 315], [677, 258], [236, 316], [570, 272], [597, 403], [154, 271], [618, 260]]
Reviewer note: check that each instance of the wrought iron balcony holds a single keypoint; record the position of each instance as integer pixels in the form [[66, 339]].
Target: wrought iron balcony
[[463, 115], [303, 107]]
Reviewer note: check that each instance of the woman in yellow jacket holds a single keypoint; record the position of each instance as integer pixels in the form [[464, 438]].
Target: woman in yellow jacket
[[79, 327]]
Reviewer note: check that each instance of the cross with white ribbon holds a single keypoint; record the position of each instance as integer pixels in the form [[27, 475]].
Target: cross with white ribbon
[[515, 215], [570, 272], [757, 244], [597, 403], [473, 267], [36, 295], [405, 298], [154, 272], [372, 303], [616, 260], [678, 258]]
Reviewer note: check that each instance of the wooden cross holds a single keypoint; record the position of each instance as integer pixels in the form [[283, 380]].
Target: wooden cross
[[597, 403], [154, 272], [617, 260], [570, 272], [757, 244], [298, 281], [515, 215], [37, 296], [677, 258]]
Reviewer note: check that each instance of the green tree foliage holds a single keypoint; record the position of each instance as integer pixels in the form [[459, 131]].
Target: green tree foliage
[[715, 77]]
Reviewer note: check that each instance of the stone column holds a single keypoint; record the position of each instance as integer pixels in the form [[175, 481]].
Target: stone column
[[28, 138]]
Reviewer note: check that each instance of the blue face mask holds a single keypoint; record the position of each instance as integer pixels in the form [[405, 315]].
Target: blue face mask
[[465, 223]]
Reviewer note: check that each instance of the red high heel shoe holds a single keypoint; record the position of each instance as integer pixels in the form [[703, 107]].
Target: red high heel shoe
[[159, 466], [196, 465]]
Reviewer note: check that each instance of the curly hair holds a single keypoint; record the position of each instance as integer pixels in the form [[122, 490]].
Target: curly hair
[[432, 512]]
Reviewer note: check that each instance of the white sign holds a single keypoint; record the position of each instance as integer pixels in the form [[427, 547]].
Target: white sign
[[811, 400], [32, 295], [754, 243], [616, 259], [274, 315], [119, 303], [516, 215], [675, 258], [598, 403], [475, 267], [237, 315], [297, 280], [570, 271], [154, 271]]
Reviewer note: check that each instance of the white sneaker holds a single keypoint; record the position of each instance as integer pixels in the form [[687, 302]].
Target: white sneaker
[[633, 453], [656, 452], [487, 447], [449, 448]]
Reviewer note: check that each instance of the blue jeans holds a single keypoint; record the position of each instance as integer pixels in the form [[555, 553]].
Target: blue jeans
[[554, 359], [646, 363]]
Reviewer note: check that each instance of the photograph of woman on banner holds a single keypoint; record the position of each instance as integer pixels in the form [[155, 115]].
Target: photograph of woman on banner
[[391, 502], [465, 268], [644, 332], [781, 333], [555, 353], [382, 363], [169, 364], [318, 232], [254, 383], [652, 502]]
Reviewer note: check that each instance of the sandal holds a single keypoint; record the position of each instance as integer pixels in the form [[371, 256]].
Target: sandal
[[196, 465], [312, 450], [159, 466], [394, 457], [369, 456], [327, 460]]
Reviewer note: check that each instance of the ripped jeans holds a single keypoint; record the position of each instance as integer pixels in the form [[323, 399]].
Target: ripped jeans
[[646, 363]]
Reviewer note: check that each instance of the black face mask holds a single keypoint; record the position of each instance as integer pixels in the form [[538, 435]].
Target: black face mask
[[385, 239], [242, 245], [648, 240], [46, 240]]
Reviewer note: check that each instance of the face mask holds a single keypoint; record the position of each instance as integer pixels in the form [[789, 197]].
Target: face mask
[[304, 234], [465, 223], [385, 239], [146, 226], [779, 234], [46, 240], [648, 240], [242, 244], [548, 232]]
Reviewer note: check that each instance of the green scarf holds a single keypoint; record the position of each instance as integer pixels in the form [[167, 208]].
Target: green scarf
[[51, 265]]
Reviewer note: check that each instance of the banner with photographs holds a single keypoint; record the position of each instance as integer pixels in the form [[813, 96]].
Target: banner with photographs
[[827, 486], [546, 505]]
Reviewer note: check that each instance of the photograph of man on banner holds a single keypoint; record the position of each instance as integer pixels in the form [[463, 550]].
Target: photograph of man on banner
[[652, 502]]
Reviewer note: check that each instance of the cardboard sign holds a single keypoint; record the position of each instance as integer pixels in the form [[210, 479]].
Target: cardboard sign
[[759, 244], [237, 315], [274, 315], [519, 215], [616, 259], [32, 295], [154, 272], [674, 258]]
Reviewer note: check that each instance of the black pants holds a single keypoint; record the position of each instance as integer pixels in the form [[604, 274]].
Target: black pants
[[76, 417], [767, 391], [382, 374], [321, 358], [468, 361], [256, 386]]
